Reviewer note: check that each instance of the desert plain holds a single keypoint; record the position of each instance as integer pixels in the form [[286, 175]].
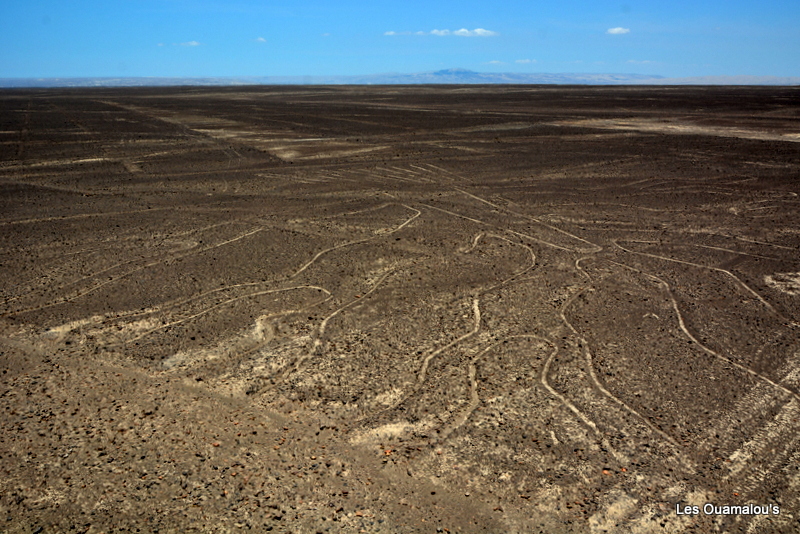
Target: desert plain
[[400, 309]]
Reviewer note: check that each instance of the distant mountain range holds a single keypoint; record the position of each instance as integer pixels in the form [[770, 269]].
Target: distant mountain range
[[447, 76]]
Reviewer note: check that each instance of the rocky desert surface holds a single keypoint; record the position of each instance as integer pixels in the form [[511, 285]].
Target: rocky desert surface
[[399, 309]]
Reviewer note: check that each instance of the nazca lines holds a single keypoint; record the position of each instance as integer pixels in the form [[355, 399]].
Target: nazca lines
[[192, 307], [474, 399], [78, 293], [572, 244]]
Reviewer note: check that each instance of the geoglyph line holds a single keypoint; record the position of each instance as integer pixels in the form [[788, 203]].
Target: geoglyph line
[[574, 409], [599, 385], [473, 385], [321, 332], [125, 275], [98, 273], [736, 278], [476, 310], [228, 301], [714, 353], [519, 234], [595, 247], [349, 243]]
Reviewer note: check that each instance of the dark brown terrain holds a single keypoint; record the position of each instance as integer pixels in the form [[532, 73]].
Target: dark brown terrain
[[399, 309]]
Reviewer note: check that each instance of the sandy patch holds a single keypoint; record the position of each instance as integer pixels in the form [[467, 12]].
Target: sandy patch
[[678, 127], [785, 282]]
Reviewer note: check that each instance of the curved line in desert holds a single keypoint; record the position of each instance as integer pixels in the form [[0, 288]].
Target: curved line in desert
[[736, 278], [598, 384], [358, 241], [324, 324], [476, 310], [143, 267], [545, 371], [223, 303], [473, 387], [688, 334]]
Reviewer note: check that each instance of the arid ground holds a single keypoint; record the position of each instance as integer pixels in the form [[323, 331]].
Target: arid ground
[[400, 309]]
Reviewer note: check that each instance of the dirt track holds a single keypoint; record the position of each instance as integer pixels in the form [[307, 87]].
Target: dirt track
[[399, 309]]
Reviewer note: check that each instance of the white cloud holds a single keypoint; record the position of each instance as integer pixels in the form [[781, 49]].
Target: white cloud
[[463, 32], [496, 62], [477, 32], [635, 62], [618, 31], [525, 61], [260, 40], [190, 43]]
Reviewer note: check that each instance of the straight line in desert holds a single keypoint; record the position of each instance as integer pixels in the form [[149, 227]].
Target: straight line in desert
[[595, 247], [742, 284], [519, 234]]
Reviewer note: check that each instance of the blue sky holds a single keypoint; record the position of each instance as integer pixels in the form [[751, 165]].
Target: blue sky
[[44, 38]]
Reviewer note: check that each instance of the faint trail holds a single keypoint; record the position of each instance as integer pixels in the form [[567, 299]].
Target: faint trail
[[324, 324], [356, 212], [349, 243], [426, 362], [125, 275], [595, 247], [459, 215], [444, 171], [83, 216], [738, 252], [739, 238], [181, 302], [107, 269], [317, 346], [519, 234], [714, 353], [738, 281], [423, 169], [392, 172], [223, 303], [402, 170]]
